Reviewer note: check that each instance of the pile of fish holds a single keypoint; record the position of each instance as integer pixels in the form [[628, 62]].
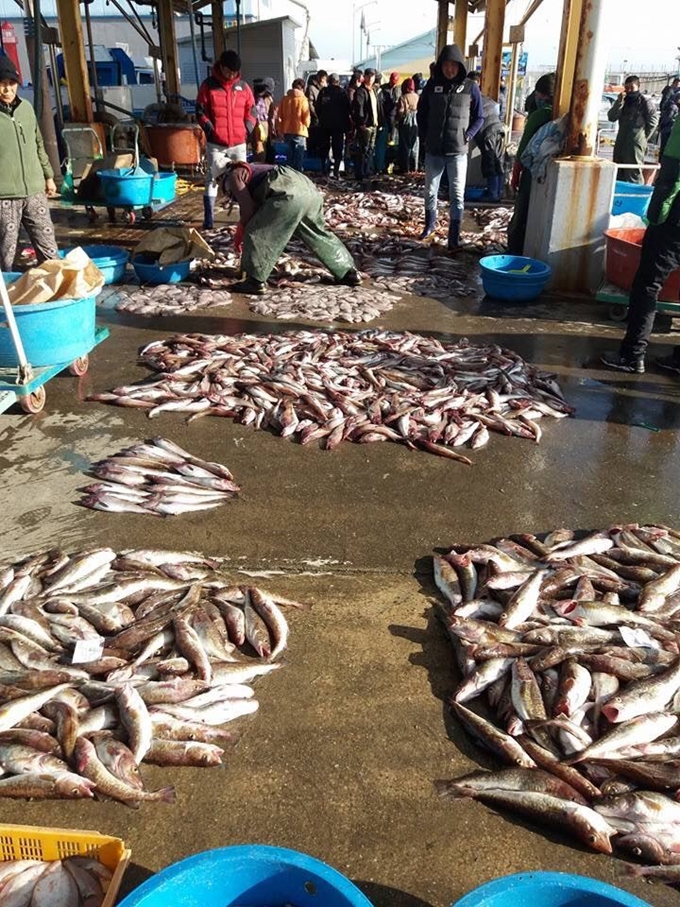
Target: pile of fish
[[167, 299], [366, 386], [73, 882], [109, 660], [324, 304], [568, 650], [160, 478], [494, 236]]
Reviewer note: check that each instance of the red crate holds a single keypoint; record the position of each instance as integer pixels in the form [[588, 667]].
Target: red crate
[[623, 258]]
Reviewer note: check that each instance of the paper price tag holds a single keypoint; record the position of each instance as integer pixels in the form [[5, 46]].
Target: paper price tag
[[634, 636], [88, 650]]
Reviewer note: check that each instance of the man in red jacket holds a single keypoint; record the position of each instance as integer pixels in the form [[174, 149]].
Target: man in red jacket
[[225, 108]]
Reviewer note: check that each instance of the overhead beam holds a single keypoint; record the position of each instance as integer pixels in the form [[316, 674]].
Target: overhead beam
[[75, 64], [494, 24], [566, 60], [460, 25], [219, 40], [168, 42], [442, 25]]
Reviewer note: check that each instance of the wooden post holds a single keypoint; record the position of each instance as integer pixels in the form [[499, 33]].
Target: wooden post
[[168, 41], [219, 43], [460, 25], [494, 23], [566, 60], [75, 65], [442, 24]]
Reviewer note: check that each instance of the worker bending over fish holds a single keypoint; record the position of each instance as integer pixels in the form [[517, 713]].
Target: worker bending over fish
[[277, 203]]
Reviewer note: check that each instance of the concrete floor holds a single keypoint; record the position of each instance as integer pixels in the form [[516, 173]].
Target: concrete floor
[[339, 762]]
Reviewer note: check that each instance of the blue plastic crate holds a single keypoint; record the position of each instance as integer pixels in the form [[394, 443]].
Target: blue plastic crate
[[514, 278], [129, 187], [256, 875], [631, 198], [548, 889]]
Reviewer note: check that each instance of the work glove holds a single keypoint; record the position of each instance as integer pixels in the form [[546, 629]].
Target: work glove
[[238, 238]]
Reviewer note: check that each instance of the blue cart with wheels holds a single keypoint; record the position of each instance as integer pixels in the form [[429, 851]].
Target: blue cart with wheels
[[45, 339]]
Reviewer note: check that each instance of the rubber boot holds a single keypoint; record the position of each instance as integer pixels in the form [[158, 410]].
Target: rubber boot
[[208, 212], [430, 224], [454, 236], [497, 188]]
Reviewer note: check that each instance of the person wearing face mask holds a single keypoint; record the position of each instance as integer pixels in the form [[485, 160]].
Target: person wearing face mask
[[637, 118], [26, 180], [450, 113]]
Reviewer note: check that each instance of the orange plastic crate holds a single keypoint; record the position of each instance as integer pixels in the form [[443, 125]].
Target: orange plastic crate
[[29, 842]]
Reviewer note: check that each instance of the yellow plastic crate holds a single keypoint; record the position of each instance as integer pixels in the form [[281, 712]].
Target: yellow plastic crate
[[29, 842]]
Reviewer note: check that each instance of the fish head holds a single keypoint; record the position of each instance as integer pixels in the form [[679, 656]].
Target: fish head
[[72, 786]]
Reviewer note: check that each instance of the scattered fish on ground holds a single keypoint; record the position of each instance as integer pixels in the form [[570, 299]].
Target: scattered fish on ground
[[494, 235], [108, 660], [336, 386], [570, 646], [160, 478], [72, 882], [324, 303], [169, 299]]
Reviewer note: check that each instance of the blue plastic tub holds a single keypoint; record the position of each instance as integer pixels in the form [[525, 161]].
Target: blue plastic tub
[[163, 188], [548, 889], [128, 187], [111, 260], [52, 332], [514, 278], [312, 164], [149, 271], [631, 198], [474, 193], [256, 875]]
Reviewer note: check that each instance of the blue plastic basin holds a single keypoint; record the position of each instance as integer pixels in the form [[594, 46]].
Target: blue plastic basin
[[474, 193], [548, 889], [111, 260], [149, 271], [163, 187], [255, 875], [52, 332], [129, 187], [514, 277], [631, 198]]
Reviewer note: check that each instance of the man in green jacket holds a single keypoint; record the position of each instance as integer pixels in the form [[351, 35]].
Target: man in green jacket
[[660, 257], [638, 118], [26, 178], [521, 176]]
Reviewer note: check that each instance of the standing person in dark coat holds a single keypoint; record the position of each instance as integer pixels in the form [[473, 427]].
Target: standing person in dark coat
[[365, 119], [450, 113], [407, 124], [668, 110], [387, 110], [638, 118], [333, 109], [491, 141], [314, 87]]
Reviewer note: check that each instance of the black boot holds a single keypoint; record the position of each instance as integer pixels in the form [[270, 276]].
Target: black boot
[[351, 279], [208, 212], [430, 224], [249, 287], [454, 236]]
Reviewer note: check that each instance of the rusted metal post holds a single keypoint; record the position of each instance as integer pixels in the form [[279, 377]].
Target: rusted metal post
[[168, 42], [75, 65], [460, 25], [566, 60], [511, 86], [219, 43], [589, 73], [494, 23], [442, 24]]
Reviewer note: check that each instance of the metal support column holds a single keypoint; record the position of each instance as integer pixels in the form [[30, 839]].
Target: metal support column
[[460, 25], [168, 41], [75, 65], [442, 24], [566, 60], [219, 43], [494, 24], [511, 86], [589, 73]]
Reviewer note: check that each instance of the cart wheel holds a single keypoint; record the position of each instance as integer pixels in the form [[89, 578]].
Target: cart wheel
[[33, 403], [129, 217], [147, 213], [112, 214], [618, 312], [91, 213], [663, 323], [79, 366]]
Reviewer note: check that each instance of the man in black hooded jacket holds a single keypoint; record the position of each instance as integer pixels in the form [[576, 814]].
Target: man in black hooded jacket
[[450, 113]]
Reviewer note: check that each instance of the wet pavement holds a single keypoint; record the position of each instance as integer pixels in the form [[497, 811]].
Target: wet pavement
[[339, 761]]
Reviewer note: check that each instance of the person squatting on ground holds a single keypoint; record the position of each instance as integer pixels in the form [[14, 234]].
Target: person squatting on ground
[[277, 203], [491, 143], [292, 121], [450, 113], [638, 118], [365, 120], [407, 124], [659, 258], [520, 180], [225, 110], [27, 180], [333, 108]]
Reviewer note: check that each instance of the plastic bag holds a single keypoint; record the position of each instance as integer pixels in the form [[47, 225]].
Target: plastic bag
[[75, 276], [168, 245]]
